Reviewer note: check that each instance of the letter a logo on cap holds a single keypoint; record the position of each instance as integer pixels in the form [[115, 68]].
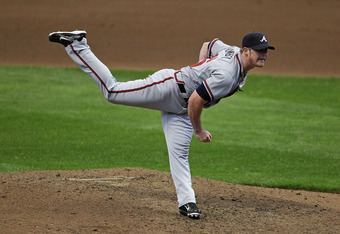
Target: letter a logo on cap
[[264, 39]]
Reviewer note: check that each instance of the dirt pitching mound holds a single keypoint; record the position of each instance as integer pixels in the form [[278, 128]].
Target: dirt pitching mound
[[131, 200]]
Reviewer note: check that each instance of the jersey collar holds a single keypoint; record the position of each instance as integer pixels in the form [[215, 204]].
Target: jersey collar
[[242, 74]]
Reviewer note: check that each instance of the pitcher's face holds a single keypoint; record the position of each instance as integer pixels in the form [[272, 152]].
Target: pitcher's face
[[258, 57]]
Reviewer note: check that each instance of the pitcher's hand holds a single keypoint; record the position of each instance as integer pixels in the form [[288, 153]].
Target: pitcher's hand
[[203, 136]]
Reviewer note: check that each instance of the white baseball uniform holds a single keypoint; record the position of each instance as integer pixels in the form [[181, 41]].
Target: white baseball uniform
[[168, 90]]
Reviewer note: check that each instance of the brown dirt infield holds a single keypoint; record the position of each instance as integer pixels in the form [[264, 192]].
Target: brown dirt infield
[[152, 34], [130, 200]]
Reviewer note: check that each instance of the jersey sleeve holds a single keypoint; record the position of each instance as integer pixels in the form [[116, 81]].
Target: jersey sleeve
[[216, 87], [215, 46]]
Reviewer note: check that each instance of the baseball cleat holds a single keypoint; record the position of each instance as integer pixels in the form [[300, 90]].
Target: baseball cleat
[[190, 210], [66, 38]]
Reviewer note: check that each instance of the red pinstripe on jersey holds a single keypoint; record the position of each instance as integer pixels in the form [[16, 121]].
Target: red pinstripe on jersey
[[177, 80], [239, 63], [211, 45], [120, 91], [208, 89]]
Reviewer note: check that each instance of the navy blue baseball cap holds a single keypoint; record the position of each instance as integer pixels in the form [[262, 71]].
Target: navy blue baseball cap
[[256, 41]]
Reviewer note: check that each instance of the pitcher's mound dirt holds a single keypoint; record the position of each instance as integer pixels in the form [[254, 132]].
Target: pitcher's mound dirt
[[132, 200]]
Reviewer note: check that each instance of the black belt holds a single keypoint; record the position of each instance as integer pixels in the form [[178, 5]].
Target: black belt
[[180, 83], [181, 87]]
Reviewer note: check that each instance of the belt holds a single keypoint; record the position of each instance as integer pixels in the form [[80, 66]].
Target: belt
[[181, 88], [180, 83]]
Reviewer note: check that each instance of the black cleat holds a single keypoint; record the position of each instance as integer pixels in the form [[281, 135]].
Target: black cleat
[[66, 38], [190, 210]]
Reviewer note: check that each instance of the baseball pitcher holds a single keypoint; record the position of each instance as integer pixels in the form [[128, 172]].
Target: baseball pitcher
[[180, 95]]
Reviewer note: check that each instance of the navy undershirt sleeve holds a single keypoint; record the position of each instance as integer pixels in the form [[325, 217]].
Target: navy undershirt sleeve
[[202, 91]]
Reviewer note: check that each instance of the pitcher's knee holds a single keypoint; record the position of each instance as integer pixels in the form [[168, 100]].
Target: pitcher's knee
[[109, 97]]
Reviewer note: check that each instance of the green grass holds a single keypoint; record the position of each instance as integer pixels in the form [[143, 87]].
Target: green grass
[[279, 132]]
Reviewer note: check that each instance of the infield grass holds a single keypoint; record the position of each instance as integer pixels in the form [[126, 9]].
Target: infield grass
[[280, 132]]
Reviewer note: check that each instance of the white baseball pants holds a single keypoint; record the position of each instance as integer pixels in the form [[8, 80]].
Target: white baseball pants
[[158, 91]]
